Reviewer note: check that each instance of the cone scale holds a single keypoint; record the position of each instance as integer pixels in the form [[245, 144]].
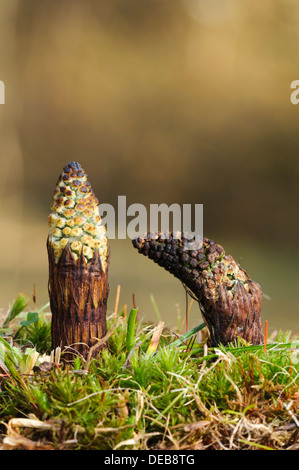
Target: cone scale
[[78, 255], [230, 302]]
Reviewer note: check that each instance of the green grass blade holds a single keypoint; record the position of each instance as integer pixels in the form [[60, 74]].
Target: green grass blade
[[158, 314], [254, 444], [130, 339], [180, 341], [17, 307]]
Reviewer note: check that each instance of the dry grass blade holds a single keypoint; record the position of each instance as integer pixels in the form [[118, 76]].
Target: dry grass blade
[[15, 440], [100, 343], [156, 338]]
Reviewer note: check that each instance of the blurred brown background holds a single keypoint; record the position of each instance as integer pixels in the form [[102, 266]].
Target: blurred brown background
[[182, 101]]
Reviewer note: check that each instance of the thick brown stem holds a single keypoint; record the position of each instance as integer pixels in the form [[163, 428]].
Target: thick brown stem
[[229, 300], [78, 297], [229, 319]]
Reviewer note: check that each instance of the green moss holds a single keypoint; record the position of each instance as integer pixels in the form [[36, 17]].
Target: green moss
[[228, 398]]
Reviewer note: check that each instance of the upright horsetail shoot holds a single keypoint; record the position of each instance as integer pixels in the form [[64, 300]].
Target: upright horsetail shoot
[[78, 254]]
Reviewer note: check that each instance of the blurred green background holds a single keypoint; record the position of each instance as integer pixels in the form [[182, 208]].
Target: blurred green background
[[183, 101]]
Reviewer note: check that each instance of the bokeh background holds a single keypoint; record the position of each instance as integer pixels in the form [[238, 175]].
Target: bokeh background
[[184, 101]]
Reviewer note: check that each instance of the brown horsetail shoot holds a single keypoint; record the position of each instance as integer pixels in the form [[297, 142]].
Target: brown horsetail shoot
[[78, 255], [229, 300]]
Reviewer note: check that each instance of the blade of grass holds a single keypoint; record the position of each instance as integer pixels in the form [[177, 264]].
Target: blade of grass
[[130, 339], [180, 341], [266, 335], [252, 348], [117, 300], [255, 444], [155, 338], [155, 307], [17, 307], [186, 315], [171, 404]]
